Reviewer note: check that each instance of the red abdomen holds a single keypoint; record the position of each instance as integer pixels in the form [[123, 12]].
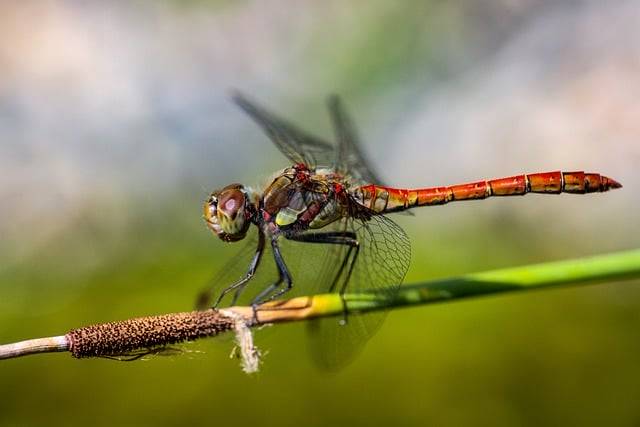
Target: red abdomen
[[385, 199]]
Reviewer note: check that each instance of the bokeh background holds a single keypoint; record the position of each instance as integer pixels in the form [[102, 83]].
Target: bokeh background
[[115, 123]]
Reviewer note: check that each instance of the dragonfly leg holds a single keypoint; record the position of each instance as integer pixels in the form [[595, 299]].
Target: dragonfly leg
[[237, 293], [268, 294], [337, 238], [355, 249], [253, 266]]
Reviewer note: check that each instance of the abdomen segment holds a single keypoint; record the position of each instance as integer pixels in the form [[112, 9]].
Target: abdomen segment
[[386, 199]]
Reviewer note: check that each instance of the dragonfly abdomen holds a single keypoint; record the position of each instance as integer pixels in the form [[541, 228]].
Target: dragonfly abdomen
[[385, 199]]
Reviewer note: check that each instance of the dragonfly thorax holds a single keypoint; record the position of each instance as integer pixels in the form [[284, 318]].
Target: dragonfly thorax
[[301, 198], [229, 212]]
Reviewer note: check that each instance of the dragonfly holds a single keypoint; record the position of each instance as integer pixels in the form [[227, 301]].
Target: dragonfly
[[333, 199]]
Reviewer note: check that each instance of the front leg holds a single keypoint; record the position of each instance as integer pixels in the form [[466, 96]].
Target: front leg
[[240, 284], [284, 276]]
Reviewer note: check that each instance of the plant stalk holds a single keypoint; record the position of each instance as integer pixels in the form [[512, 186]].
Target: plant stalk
[[129, 336]]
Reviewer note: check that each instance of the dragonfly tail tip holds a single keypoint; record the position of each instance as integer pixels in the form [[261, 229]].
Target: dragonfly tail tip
[[611, 184]]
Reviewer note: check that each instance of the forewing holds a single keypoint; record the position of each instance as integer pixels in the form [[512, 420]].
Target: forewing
[[297, 145], [350, 159], [381, 265]]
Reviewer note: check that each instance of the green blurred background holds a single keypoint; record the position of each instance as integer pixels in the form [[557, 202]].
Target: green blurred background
[[115, 123]]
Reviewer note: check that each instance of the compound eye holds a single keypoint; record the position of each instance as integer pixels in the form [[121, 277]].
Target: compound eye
[[231, 202]]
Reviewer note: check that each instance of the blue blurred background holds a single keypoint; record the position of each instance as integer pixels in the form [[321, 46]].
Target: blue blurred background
[[115, 123]]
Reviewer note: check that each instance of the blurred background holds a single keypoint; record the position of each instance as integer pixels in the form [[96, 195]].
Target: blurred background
[[116, 122]]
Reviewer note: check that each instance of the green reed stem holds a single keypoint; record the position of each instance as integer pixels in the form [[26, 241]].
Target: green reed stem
[[575, 272], [124, 337]]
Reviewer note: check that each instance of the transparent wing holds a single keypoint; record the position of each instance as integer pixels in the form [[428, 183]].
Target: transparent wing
[[380, 266], [230, 272], [235, 268], [350, 159], [297, 145]]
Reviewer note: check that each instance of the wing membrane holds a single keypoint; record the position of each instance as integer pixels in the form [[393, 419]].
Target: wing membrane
[[295, 144], [350, 159], [380, 266], [229, 273]]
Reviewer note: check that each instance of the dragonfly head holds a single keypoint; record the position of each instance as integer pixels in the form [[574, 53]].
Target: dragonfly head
[[228, 212]]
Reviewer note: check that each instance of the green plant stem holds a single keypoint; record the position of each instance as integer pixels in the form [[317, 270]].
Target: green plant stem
[[575, 272], [123, 337]]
